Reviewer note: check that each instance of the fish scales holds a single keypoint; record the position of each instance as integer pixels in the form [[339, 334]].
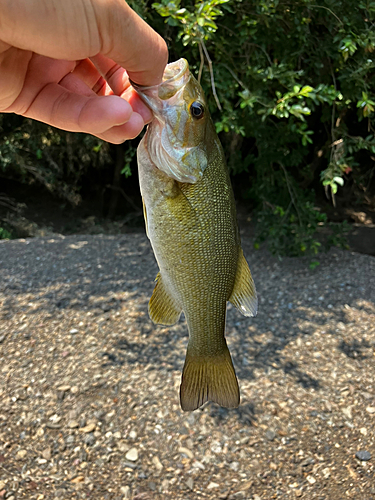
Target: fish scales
[[191, 222]]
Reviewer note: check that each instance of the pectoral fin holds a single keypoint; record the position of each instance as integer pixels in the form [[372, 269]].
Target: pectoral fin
[[209, 379], [162, 308], [145, 216], [244, 296]]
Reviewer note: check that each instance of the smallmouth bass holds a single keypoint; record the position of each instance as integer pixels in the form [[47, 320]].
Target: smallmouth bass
[[190, 218]]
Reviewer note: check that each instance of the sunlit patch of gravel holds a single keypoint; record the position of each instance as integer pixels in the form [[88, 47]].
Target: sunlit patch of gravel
[[89, 402]]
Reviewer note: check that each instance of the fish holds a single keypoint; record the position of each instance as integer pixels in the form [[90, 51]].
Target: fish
[[191, 222]]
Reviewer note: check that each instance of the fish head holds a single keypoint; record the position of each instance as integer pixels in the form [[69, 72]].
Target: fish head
[[176, 138]]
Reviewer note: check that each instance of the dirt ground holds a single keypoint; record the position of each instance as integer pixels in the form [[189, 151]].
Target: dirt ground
[[89, 402]]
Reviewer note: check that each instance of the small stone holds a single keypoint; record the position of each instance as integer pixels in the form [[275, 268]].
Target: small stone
[[60, 493], [363, 455], [78, 479], [234, 466], [74, 331], [117, 435], [123, 446], [347, 412], [186, 451], [70, 439], [83, 465], [2, 485], [132, 455], [125, 490], [363, 431], [133, 435], [216, 447], [73, 424], [64, 388], [41, 461], [21, 454], [88, 428], [310, 479], [74, 389], [47, 453], [157, 463], [212, 485], [89, 439], [190, 483], [270, 435], [370, 409]]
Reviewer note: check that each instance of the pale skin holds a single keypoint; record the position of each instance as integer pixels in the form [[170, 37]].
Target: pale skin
[[68, 63]]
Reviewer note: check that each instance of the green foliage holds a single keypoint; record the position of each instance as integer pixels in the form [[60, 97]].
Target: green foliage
[[294, 81], [33, 152], [5, 234], [128, 157]]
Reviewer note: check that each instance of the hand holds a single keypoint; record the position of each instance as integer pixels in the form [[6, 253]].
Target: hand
[[68, 63]]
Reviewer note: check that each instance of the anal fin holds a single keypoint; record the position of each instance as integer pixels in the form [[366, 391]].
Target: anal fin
[[162, 308], [210, 378], [244, 295]]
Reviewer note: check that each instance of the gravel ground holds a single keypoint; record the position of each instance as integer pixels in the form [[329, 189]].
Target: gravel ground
[[89, 402]]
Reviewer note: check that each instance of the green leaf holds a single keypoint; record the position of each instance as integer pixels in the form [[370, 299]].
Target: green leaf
[[339, 180]]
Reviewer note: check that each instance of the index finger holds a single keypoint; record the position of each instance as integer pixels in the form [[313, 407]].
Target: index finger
[[132, 43]]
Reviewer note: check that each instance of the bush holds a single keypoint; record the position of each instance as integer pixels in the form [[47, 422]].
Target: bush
[[290, 88], [295, 84]]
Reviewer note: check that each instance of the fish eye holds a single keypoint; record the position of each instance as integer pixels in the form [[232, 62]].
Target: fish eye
[[197, 110]]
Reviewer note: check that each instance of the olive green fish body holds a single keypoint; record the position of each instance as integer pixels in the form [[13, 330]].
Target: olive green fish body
[[193, 231]]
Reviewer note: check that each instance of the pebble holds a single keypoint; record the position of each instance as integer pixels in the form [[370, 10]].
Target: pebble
[[370, 409], [123, 446], [363, 455], [2, 485], [310, 479], [88, 428], [157, 463], [270, 435], [21, 454], [70, 439], [234, 466], [212, 485], [73, 424], [125, 490], [190, 483], [89, 439], [47, 453], [74, 331], [132, 455], [60, 493], [186, 451], [64, 388], [133, 435]]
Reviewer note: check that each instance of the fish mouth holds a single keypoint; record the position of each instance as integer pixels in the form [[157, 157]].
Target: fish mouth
[[176, 76]]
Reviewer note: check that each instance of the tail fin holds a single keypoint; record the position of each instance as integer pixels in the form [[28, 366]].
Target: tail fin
[[210, 378]]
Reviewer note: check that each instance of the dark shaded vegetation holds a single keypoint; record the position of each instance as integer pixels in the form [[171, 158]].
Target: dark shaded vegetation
[[295, 81]]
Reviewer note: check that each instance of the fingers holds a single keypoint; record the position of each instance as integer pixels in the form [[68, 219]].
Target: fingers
[[132, 43], [79, 29], [118, 81], [108, 117]]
